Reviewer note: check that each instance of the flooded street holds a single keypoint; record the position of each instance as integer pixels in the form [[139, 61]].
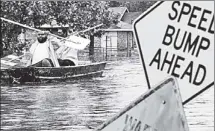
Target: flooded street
[[85, 104]]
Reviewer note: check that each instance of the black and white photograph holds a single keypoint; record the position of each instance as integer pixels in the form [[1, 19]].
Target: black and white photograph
[[107, 65]]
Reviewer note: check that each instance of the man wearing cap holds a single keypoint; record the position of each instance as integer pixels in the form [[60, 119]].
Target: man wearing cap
[[42, 52]]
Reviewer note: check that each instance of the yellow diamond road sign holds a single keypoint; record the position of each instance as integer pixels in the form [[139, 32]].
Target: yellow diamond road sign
[[176, 38]]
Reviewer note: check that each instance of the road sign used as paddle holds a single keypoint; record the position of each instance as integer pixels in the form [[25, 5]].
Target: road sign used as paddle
[[176, 39], [159, 109], [77, 42]]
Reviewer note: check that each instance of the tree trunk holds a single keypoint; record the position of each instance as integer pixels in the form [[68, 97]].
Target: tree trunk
[[91, 48]]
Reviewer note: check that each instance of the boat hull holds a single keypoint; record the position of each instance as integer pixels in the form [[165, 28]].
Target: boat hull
[[40, 75]]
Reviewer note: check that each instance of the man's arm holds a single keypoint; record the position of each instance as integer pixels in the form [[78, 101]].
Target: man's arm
[[55, 42]]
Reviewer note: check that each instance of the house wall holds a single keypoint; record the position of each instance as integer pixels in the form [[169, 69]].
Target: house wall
[[134, 45], [109, 39], [120, 40], [125, 40]]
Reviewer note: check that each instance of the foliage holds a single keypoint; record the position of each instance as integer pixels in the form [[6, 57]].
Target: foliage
[[79, 15], [114, 3], [133, 6]]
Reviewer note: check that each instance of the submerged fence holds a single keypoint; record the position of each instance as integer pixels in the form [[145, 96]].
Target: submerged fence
[[105, 54]]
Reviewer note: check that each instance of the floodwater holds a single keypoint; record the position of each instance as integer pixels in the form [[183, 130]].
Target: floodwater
[[85, 104]]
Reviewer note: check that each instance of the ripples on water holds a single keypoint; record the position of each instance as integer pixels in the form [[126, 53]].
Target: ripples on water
[[83, 105]]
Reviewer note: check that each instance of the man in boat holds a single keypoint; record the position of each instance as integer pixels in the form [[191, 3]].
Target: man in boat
[[67, 56], [42, 52], [21, 42], [21, 37]]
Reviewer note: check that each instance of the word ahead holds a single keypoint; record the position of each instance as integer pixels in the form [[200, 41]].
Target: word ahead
[[177, 39], [159, 109]]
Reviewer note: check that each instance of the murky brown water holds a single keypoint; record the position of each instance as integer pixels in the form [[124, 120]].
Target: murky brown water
[[85, 104]]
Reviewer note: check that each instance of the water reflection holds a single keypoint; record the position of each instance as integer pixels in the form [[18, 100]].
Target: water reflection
[[83, 105]]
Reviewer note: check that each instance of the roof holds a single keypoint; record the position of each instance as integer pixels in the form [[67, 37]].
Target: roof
[[124, 25], [121, 26], [117, 30], [130, 17], [114, 27], [118, 10]]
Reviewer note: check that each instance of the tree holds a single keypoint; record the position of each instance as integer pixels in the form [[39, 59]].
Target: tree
[[114, 3], [137, 6], [20, 11], [79, 15]]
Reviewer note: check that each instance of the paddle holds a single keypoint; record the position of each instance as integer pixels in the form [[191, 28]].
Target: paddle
[[72, 41], [76, 33], [54, 57]]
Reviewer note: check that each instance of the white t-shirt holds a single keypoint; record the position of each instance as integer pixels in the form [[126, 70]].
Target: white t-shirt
[[39, 51]]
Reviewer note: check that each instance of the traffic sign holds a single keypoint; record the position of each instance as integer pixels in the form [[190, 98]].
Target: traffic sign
[[176, 38], [158, 109]]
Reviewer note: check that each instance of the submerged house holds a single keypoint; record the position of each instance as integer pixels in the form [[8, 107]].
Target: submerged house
[[120, 36]]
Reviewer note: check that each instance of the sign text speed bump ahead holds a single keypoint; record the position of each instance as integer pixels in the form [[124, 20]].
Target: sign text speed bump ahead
[[176, 39]]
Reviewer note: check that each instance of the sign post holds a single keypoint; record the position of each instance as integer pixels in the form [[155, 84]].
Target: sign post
[[176, 38], [159, 109]]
